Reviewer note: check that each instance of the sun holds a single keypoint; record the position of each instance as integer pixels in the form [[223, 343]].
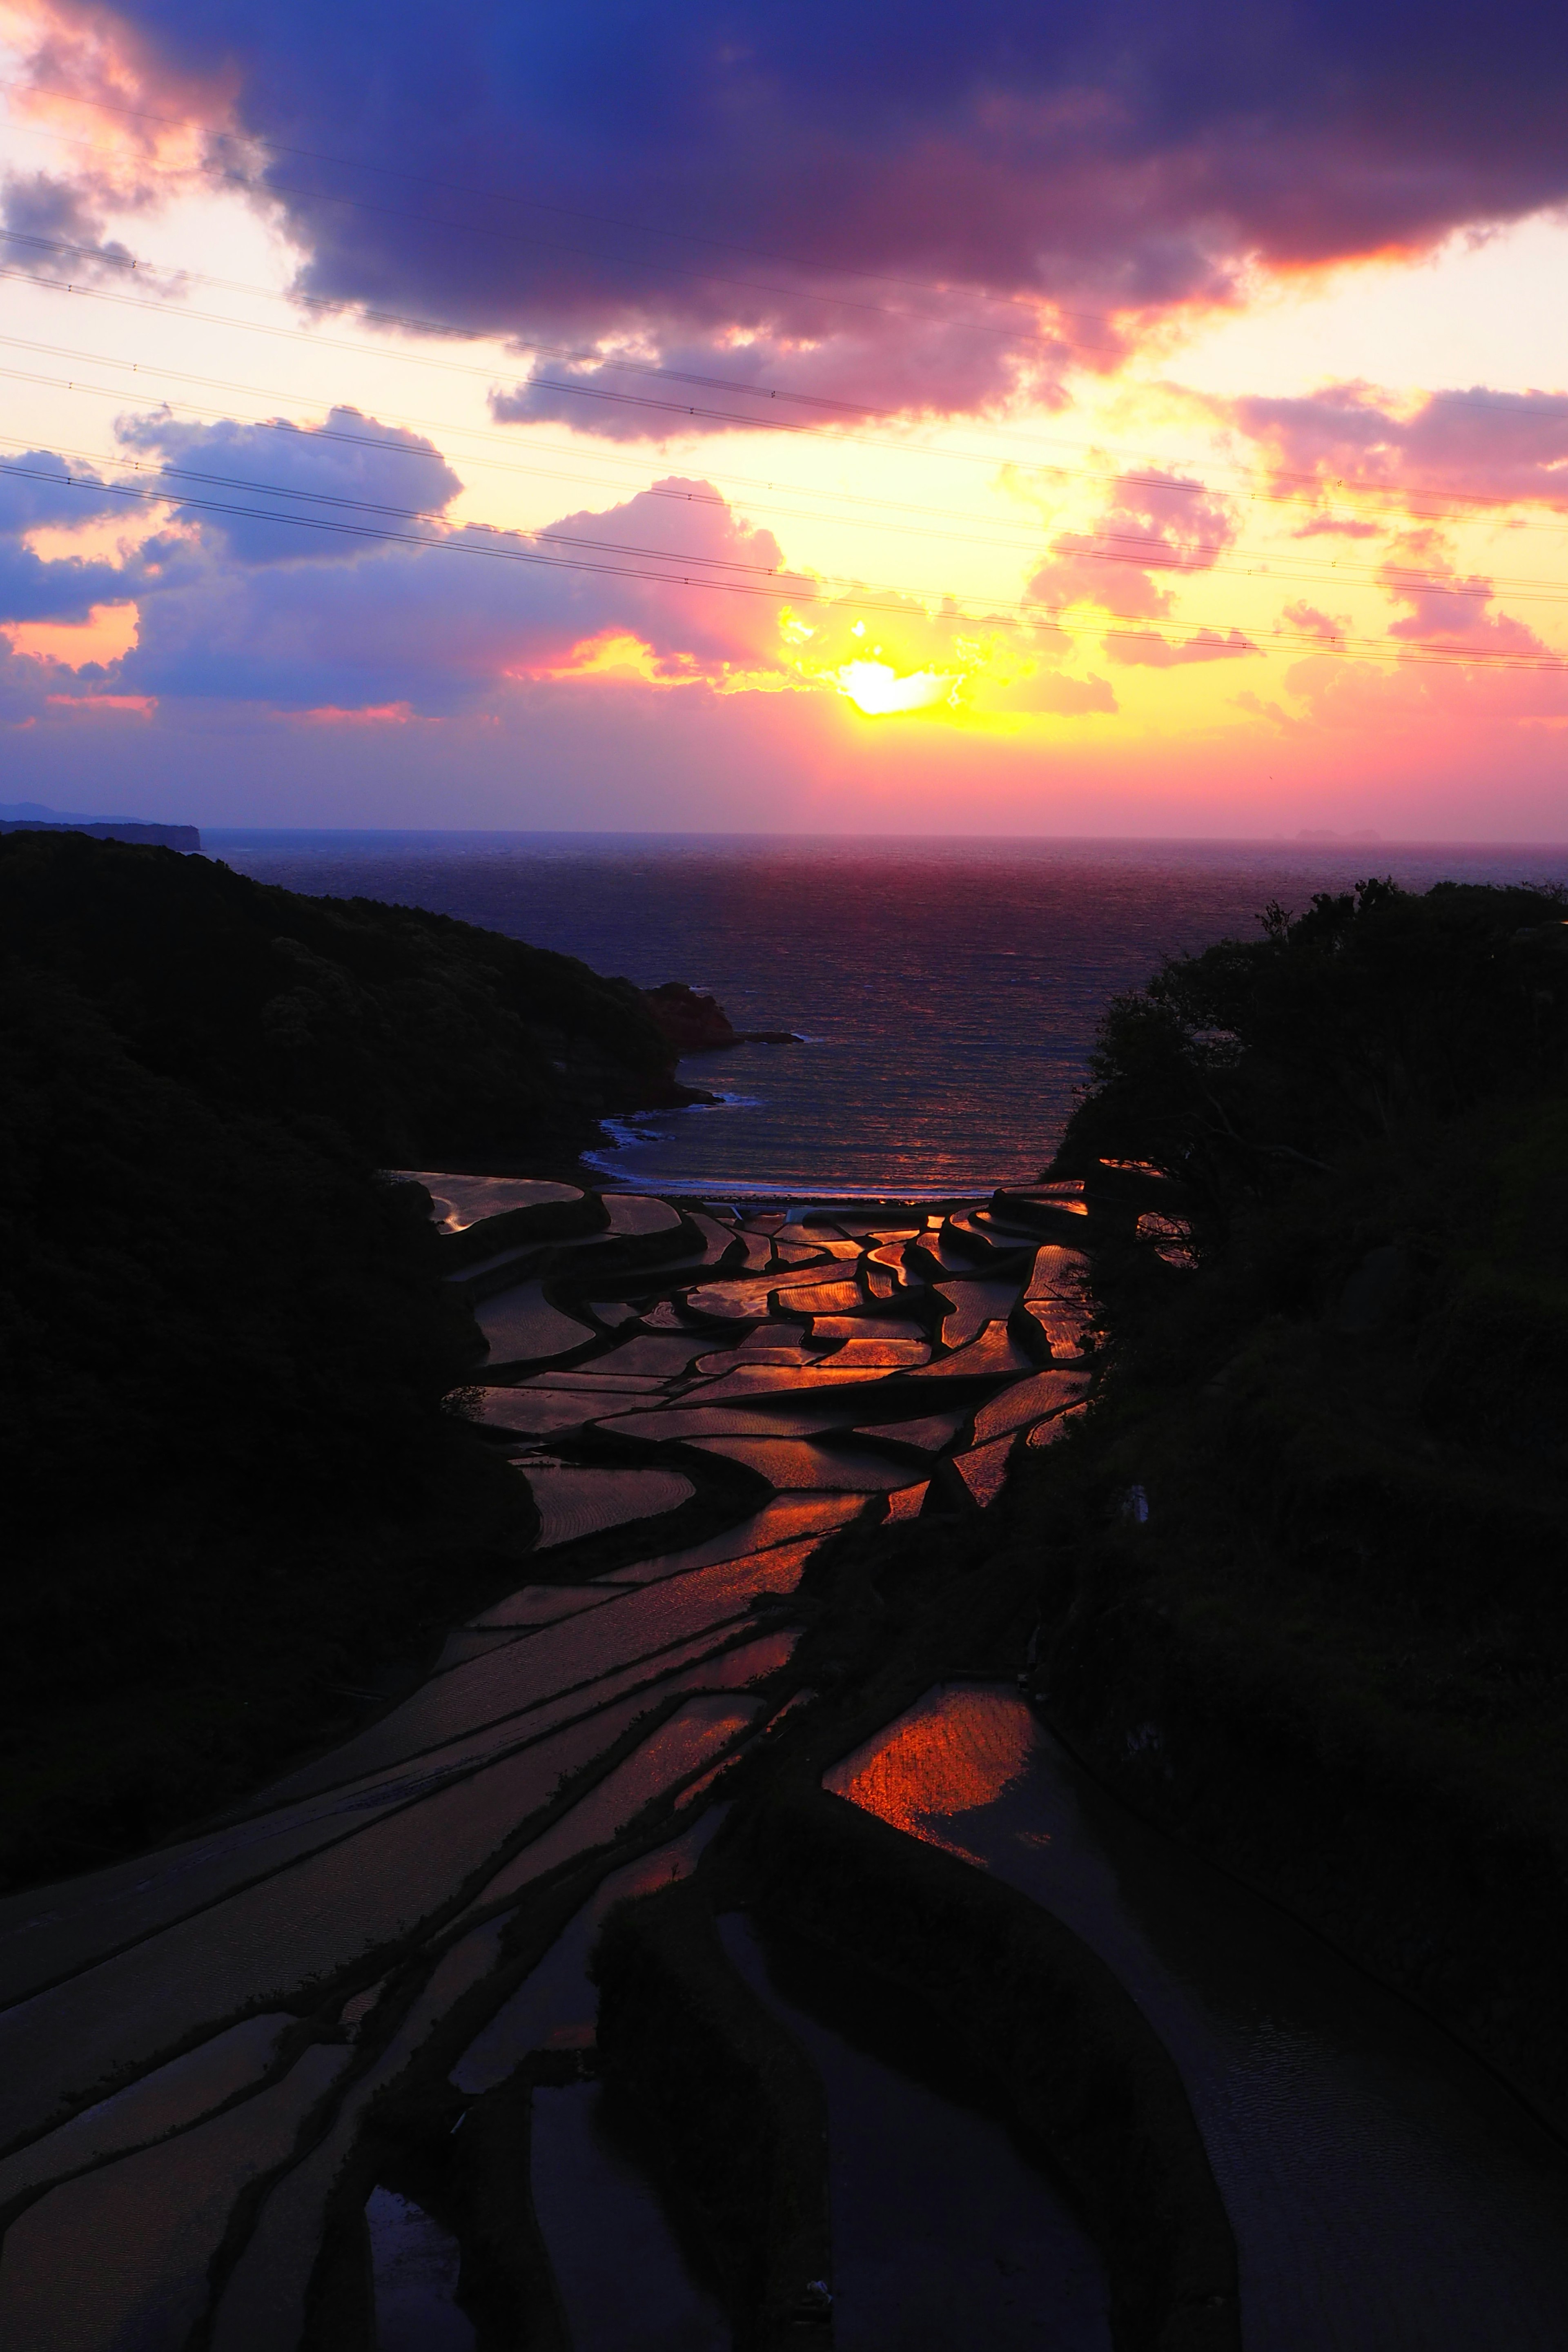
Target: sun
[[878, 689]]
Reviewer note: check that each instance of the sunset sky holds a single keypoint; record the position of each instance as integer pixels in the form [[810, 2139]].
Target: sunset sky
[[1011, 419]]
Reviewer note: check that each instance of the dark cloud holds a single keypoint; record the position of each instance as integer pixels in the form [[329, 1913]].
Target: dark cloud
[[303, 473], [842, 377], [32, 589], [638, 178], [44, 212]]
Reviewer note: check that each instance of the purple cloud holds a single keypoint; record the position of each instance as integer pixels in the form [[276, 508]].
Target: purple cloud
[[38, 489], [1448, 608], [1487, 448], [439, 627], [298, 474], [802, 179]]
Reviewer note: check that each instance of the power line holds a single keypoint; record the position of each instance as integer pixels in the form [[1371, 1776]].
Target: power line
[[1141, 550], [1337, 571], [573, 354], [1128, 626], [1316, 482], [1422, 506], [539, 204], [1162, 481]]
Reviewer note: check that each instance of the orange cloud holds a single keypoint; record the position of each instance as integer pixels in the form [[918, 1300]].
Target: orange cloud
[[108, 633]]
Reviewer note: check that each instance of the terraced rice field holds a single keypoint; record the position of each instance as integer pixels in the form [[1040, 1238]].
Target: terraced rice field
[[270, 2086], [197, 2016]]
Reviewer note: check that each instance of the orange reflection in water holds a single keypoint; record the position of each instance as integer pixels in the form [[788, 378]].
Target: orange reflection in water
[[955, 1750]]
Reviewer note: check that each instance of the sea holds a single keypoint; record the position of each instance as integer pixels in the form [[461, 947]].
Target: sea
[[946, 991]]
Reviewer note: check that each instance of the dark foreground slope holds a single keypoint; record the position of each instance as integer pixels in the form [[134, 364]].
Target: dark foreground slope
[[222, 1345], [1334, 1651]]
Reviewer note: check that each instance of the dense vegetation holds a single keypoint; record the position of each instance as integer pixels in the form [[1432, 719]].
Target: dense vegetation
[[223, 1342], [1336, 1649]]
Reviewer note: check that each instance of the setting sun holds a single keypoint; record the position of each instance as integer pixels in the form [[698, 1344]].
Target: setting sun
[[876, 688]]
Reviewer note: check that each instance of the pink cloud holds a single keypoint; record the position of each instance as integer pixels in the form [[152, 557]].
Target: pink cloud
[[1155, 523], [1145, 648], [142, 705], [380, 714], [1306, 620], [1447, 609], [1477, 448]]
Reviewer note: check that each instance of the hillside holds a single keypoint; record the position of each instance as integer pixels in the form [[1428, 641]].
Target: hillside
[[1306, 1601], [223, 1344]]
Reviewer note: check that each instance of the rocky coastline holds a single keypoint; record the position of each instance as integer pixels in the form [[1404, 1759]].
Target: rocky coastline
[[695, 1023]]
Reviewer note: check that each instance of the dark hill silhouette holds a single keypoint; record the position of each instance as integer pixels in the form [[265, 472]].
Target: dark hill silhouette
[[222, 1343], [1315, 1619]]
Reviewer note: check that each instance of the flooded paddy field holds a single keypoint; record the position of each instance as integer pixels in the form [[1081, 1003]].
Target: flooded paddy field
[[683, 1962]]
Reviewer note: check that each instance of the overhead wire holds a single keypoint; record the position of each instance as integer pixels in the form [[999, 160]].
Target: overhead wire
[[1102, 545], [1026, 539], [1314, 481], [538, 203], [774, 582], [646, 229], [1154, 474]]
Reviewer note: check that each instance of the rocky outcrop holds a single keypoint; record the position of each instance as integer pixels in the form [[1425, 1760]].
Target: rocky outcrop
[[695, 1023]]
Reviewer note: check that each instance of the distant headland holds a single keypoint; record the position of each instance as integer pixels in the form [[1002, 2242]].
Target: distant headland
[[32, 816]]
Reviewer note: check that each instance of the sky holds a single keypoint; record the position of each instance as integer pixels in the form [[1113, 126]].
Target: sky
[[1010, 420]]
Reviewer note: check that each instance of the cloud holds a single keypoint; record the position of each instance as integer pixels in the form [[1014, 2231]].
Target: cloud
[[133, 115], [44, 212], [328, 472], [1455, 712], [839, 375], [1328, 526], [1145, 648], [1449, 609], [433, 629], [804, 178], [1307, 620], [1489, 448], [1154, 523], [38, 489]]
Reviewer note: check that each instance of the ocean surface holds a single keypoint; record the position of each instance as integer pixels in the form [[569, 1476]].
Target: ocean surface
[[947, 991]]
